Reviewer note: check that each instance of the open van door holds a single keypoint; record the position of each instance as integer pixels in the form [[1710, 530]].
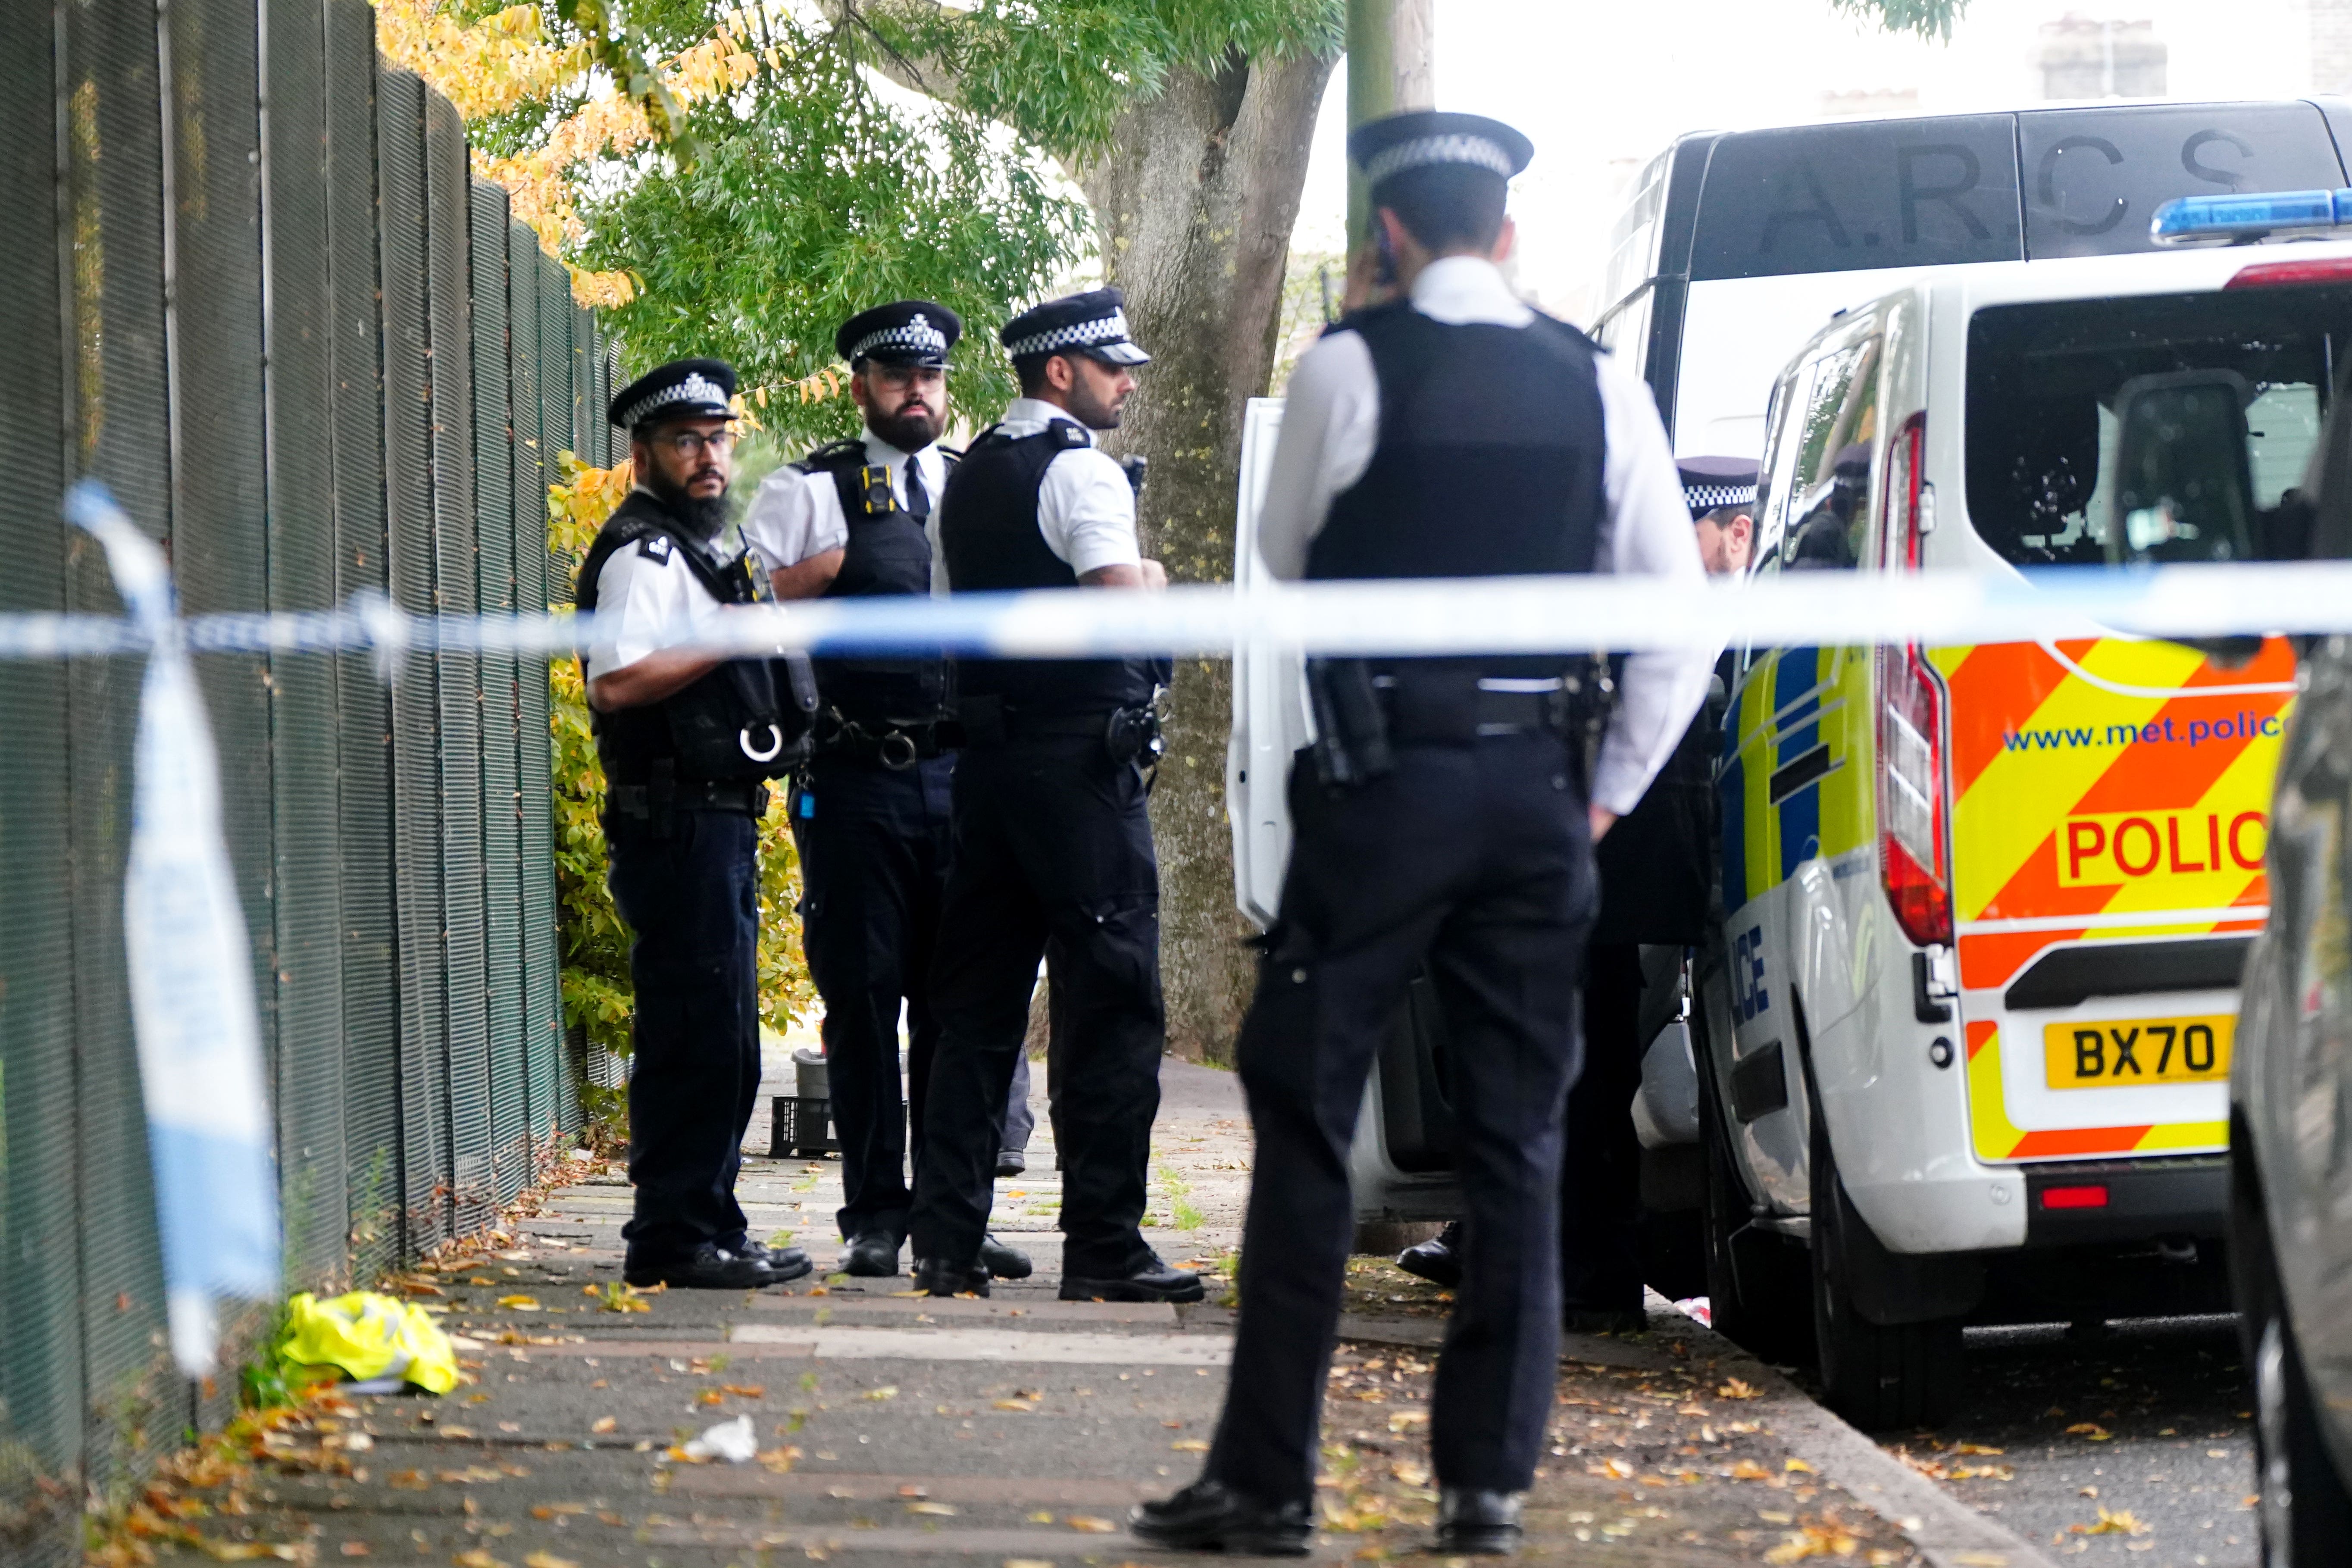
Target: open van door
[[1401, 1167]]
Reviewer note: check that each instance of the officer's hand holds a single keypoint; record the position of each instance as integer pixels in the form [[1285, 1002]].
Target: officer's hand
[[1363, 287], [1155, 575], [1603, 819]]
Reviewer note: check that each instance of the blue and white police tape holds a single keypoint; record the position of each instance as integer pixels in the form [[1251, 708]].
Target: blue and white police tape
[[1515, 614], [191, 976]]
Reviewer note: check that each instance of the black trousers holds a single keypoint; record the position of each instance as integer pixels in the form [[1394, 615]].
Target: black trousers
[[687, 885], [1053, 850], [874, 866], [1601, 1169], [1475, 860]]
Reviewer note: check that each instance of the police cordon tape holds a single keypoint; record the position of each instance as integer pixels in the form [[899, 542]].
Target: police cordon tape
[[1457, 616]]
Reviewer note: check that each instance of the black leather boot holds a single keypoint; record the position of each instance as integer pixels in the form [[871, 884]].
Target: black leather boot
[[1210, 1516], [1437, 1259], [1003, 1262], [709, 1267], [935, 1278], [1153, 1282], [870, 1255], [1476, 1523]]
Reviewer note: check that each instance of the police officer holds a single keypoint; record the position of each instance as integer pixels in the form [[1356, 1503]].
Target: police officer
[[1657, 888], [687, 740], [1441, 820], [1052, 848], [869, 810]]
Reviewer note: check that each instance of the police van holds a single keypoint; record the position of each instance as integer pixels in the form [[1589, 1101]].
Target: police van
[[1733, 249]]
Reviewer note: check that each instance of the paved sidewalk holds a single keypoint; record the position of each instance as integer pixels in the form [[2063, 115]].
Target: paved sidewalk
[[1012, 1431]]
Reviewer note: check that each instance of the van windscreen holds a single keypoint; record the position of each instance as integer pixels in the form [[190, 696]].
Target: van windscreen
[[2041, 384], [2094, 177], [1845, 198]]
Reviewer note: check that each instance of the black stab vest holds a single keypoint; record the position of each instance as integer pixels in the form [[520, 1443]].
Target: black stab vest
[[886, 554], [1489, 462], [988, 530], [631, 741]]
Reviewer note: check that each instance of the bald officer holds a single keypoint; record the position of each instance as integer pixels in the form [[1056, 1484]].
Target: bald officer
[[1052, 846], [1448, 432], [869, 810], [688, 741]]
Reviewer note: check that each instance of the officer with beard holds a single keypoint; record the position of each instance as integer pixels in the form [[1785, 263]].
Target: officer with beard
[[686, 738], [1053, 844], [870, 810]]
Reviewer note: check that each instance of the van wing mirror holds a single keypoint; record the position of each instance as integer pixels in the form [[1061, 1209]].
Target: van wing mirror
[[2184, 487]]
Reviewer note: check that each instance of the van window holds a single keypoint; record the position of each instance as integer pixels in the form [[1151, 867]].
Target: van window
[[2042, 383], [1849, 198], [2094, 177], [1828, 504]]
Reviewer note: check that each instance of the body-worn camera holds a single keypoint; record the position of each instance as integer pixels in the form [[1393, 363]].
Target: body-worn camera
[[1133, 736]]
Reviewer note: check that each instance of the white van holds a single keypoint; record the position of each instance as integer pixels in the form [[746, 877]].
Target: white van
[[1966, 1033]]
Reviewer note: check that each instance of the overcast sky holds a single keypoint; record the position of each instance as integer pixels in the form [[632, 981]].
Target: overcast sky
[[1600, 88]]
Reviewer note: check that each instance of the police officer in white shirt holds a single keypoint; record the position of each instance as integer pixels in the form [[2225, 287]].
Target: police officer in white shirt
[[1053, 845], [870, 808], [1441, 822], [686, 738]]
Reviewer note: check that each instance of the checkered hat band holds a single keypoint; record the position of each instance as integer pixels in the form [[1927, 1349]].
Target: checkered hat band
[[1706, 498], [693, 389], [1423, 150], [1110, 329], [920, 336]]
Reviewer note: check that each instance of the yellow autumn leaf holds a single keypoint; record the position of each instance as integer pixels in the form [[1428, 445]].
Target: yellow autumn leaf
[[2123, 1522], [476, 1557], [1750, 1470], [1190, 1445], [2090, 1430], [1615, 1470], [1088, 1525], [603, 1423], [547, 1560], [1794, 1465], [520, 1303], [940, 1509], [1738, 1388]]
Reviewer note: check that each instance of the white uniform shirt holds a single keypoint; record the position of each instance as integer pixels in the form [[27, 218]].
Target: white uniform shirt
[[649, 598], [1331, 423], [794, 516], [1085, 508]]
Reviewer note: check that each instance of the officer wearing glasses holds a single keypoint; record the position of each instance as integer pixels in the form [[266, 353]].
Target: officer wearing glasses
[[687, 740]]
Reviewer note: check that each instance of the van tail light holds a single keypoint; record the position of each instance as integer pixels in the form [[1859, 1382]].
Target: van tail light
[[2272, 274], [1913, 861], [1907, 524]]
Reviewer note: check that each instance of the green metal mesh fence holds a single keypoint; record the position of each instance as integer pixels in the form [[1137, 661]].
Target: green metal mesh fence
[[256, 291]]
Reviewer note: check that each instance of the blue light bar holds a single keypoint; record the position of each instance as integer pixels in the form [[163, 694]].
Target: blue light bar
[[2216, 220]]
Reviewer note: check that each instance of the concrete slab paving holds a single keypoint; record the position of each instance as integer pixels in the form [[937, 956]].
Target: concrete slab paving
[[1015, 1429]]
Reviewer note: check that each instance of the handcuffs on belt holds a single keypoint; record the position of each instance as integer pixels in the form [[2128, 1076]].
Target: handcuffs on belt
[[895, 749]]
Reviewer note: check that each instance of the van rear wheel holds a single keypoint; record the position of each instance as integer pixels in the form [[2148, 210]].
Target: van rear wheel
[[1878, 1375]]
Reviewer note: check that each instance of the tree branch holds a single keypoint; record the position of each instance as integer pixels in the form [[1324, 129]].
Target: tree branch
[[932, 78]]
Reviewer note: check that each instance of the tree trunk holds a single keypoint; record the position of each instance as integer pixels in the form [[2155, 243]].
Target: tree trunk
[[1193, 205]]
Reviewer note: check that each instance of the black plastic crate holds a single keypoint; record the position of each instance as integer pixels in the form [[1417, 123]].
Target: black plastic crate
[[802, 1127]]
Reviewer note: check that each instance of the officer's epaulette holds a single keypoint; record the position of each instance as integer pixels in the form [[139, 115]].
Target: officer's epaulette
[[1068, 434], [849, 451], [655, 547], [950, 456]]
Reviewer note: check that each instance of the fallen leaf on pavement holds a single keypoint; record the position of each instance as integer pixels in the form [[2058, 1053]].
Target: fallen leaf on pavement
[[354, 1549], [476, 1557], [887, 1391], [1041, 1517], [745, 1390], [1827, 1539], [944, 1510], [2120, 1522], [1736, 1388], [1794, 1465], [2090, 1430], [1976, 1448], [1028, 1563], [1023, 1405], [709, 1396], [520, 1303], [247, 1550], [1190, 1445], [603, 1423], [1615, 1470], [547, 1560], [551, 1510], [1089, 1525], [1747, 1470]]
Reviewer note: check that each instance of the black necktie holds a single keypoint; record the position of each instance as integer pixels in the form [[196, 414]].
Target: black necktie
[[919, 500]]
